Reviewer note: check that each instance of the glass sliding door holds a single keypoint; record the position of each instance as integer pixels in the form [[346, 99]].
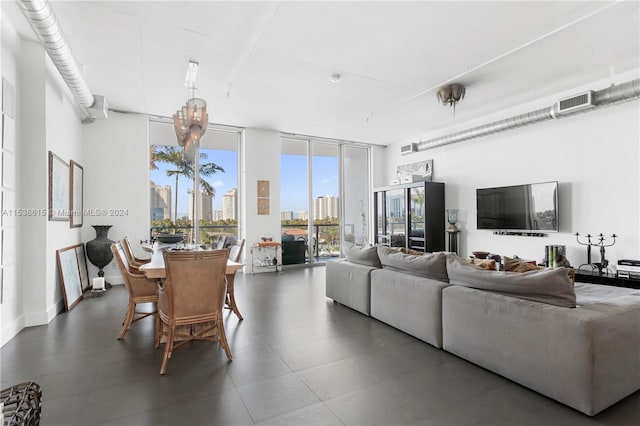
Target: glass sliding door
[[325, 171], [294, 199]]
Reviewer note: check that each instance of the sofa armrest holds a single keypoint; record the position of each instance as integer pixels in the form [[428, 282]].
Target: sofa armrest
[[349, 284]]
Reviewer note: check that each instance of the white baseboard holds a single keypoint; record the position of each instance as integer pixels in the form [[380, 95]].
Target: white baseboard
[[9, 331]]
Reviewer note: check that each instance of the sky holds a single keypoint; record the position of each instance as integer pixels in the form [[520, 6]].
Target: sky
[[293, 179]]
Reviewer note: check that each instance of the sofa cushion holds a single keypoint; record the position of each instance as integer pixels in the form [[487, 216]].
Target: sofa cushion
[[362, 255], [429, 265], [488, 264], [551, 286]]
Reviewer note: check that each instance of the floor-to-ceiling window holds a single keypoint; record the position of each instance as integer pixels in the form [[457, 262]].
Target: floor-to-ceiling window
[[172, 207], [324, 197]]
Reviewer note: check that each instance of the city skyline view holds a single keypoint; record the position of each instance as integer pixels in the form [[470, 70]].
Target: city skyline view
[[294, 186]]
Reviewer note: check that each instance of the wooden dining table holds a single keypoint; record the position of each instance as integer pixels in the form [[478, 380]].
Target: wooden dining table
[[155, 269]]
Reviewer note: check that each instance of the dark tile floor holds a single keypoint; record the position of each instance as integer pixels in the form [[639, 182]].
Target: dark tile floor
[[299, 359]]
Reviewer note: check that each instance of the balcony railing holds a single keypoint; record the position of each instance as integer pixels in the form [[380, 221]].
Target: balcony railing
[[324, 243], [208, 233]]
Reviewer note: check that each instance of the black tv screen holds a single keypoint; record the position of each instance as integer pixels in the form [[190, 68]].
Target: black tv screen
[[532, 207]]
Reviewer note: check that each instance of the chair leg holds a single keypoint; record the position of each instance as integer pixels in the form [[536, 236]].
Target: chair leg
[[128, 318], [158, 330], [223, 339], [168, 349]]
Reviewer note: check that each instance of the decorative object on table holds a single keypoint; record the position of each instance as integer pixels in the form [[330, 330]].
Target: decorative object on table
[[555, 256], [261, 258], [450, 95], [170, 238], [99, 249], [415, 172], [480, 254], [603, 265], [58, 189], [76, 175], [452, 230], [69, 276]]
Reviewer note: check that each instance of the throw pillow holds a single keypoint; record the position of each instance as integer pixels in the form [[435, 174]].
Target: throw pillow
[[362, 255], [551, 286], [515, 265], [429, 265], [411, 251], [487, 264]]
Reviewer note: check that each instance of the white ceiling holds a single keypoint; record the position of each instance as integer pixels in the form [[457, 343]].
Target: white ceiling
[[268, 64]]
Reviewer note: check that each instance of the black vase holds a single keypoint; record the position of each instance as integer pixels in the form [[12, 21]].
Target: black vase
[[99, 249]]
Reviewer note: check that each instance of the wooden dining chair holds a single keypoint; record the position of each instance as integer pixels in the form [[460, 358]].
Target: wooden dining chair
[[235, 255], [192, 294], [141, 290], [221, 242], [134, 261]]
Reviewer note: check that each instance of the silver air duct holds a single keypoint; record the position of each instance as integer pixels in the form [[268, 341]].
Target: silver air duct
[[45, 25], [615, 94]]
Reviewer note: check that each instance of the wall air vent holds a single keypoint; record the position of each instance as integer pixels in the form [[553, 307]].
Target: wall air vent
[[408, 149], [575, 103]]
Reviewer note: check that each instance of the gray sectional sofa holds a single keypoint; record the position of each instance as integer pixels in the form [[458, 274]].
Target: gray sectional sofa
[[578, 345]]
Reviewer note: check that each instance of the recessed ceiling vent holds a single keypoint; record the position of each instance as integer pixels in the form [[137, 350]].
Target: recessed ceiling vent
[[575, 103]]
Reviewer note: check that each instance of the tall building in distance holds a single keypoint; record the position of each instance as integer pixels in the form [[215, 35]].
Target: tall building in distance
[[217, 215], [303, 214], [326, 207], [230, 205], [160, 202], [288, 215], [205, 206]]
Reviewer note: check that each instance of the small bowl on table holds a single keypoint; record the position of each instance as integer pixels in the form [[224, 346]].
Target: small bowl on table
[[480, 254], [170, 238]]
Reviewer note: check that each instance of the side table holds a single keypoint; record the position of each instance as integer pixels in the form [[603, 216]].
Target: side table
[[264, 255]]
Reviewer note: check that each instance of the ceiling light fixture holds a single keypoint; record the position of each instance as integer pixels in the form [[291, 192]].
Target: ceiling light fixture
[[190, 122], [451, 95], [335, 77]]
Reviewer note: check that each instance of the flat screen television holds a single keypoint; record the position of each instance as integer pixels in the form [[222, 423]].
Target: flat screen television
[[531, 207]]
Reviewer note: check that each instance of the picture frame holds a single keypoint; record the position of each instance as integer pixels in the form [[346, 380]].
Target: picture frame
[[58, 189], [82, 267], [263, 206], [69, 272], [263, 188], [76, 179]]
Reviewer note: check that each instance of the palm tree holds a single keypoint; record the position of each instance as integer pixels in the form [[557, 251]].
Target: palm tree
[[181, 167]]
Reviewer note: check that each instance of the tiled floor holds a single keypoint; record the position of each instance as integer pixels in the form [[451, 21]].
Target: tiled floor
[[299, 359]]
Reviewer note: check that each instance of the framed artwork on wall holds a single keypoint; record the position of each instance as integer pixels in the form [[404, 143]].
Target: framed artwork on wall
[[58, 188], [76, 177], [263, 206], [263, 188]]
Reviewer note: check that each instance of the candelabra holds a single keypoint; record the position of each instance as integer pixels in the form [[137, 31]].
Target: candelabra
[[604, 263]]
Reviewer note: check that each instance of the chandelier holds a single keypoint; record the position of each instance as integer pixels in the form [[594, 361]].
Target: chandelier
[[451, 95], [190, 123]]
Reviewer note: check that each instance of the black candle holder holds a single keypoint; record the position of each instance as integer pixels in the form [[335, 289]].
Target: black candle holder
[[604, 263]]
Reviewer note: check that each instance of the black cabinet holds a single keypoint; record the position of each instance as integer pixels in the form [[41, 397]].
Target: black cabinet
[[411, 216]]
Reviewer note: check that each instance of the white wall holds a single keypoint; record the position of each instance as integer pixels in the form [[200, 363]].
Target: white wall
[[594, 156], [116, 176], [45, 119], [260, 160]]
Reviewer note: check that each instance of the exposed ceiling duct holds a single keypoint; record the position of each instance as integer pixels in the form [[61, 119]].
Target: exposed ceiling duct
[[45, 25], [580, 103]]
